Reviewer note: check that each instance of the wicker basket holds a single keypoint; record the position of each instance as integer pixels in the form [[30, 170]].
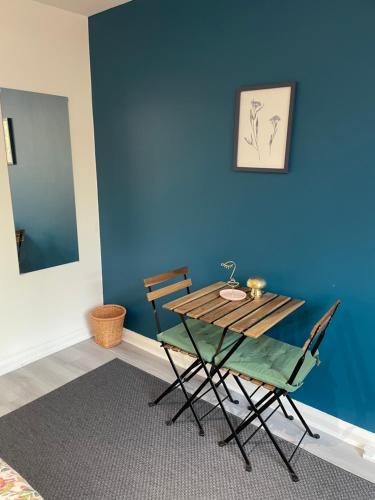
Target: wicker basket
[[107, 324]]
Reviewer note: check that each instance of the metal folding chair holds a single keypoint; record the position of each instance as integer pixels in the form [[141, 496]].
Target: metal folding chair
[[278, 383], [176, 339]]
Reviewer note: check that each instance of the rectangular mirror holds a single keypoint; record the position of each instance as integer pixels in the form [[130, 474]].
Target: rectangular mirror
[[39, 158]]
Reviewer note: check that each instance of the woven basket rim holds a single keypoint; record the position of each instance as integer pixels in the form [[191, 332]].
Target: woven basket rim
[[105, 306]]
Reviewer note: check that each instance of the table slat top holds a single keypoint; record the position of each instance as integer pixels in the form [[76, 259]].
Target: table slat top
[[251, 317], [259, 313], [267, 323], [194, 295], [201, 301], [243, 310]]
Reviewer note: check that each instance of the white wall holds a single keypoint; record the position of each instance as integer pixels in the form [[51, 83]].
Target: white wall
[[44, 49]]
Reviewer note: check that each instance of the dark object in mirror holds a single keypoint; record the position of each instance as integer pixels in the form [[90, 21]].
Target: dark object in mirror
[[38, 151], [20, 238], [10, 149]]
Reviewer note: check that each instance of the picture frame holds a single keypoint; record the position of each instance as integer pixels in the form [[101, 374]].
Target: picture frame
[[263, 127]]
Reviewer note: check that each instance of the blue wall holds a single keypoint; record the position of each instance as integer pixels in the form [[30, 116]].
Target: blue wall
[[42, 180], [164, 76]]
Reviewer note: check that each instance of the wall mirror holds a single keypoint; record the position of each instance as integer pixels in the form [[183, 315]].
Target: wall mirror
[[39, 158]]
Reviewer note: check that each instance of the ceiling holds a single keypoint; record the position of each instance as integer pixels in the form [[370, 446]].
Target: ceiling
[[85, 7]]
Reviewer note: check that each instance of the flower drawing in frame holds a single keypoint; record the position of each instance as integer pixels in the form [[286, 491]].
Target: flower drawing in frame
[[263, 127]]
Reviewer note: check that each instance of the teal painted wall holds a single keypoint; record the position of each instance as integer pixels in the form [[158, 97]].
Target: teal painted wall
[[42, 180], [164, 75]]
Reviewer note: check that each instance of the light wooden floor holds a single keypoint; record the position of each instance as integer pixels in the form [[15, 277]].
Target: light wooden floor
[[26, 384]]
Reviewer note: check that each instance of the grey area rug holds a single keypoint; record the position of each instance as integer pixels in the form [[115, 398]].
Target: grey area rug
[[96, 438]]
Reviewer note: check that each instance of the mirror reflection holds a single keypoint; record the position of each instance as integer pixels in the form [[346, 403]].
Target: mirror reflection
[[39, 158]]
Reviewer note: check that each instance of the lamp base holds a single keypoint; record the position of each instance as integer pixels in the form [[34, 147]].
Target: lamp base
[[256, 293]]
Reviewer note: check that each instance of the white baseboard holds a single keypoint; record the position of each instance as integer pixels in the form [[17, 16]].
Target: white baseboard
[[37, 352], [323, 422], [369, 452]]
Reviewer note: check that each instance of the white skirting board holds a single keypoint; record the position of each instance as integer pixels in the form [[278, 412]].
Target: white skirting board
[[323, 422], [40, 351]]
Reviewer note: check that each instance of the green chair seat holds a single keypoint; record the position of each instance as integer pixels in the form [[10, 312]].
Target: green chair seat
[[270, 361], [206, 336]]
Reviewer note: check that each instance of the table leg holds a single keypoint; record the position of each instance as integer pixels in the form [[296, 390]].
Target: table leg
[[209, 375]]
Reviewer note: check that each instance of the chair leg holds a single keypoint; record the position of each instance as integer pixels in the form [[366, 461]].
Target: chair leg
[[188, 402], [176, 383], [237, 439], [168, 422], [222, 380], [302, 420], [189, 377], [220, 402], [251, 417], [169, 389], [289, 417], [194, 396], [206, 392], [258, 414], [258, 428]]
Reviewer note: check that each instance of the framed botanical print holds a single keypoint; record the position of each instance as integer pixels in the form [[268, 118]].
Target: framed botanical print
[[263, 127]]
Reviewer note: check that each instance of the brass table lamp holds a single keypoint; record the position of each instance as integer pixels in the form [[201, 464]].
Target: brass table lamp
[[256, 285]]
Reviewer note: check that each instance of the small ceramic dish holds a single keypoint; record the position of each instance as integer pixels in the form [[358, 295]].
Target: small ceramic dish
[[231, 294]]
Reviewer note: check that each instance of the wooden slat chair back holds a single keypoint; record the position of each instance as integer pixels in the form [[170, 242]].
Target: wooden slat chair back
[[315, 338], [318, 330], [163, 291]]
